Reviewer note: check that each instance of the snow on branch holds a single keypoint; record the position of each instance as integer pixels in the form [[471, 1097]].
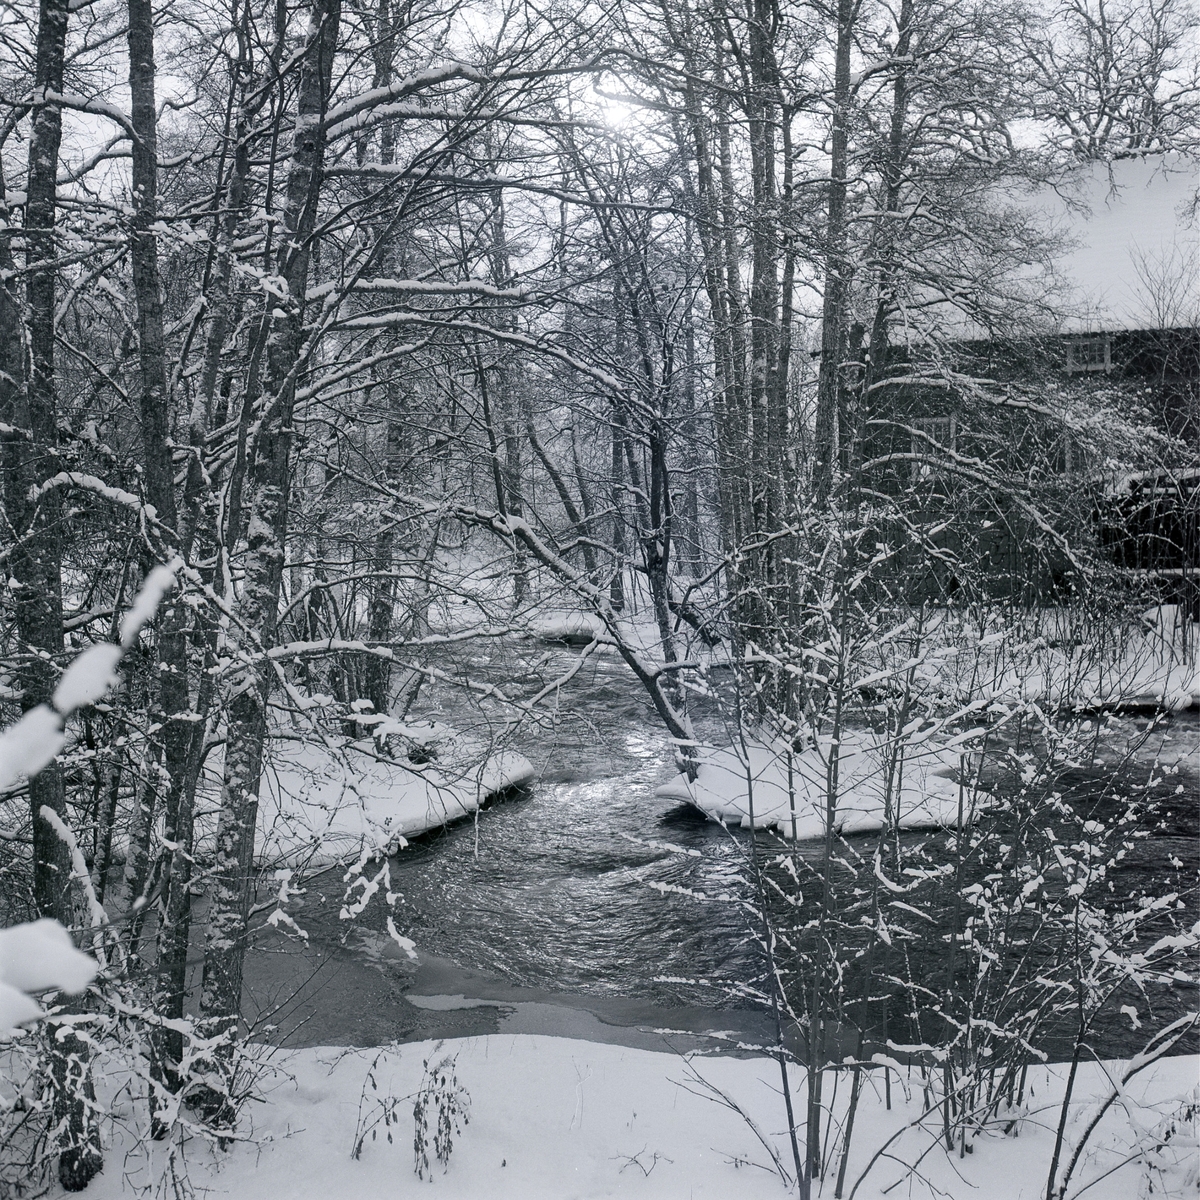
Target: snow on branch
[[406, 108], [424, 287], [341, 117], [39, 956], [158, 583], [82, 876], [36, 957], [388, 320], [408, 86], [45, 97], [491, 181], [31, 744], [90, 483]]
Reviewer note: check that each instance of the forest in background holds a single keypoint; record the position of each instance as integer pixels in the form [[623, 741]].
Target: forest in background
[[401, 326]]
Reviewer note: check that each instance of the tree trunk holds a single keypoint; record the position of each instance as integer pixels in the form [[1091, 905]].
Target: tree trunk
[[381, 609], [616, 587], [893, 174], [835, 302], [266, 502], [199, 524], [172, 701], [579, 523], [507, 401], [36, 563]]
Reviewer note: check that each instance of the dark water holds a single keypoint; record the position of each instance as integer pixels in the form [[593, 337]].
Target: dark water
[[563, 891], [556, 889]]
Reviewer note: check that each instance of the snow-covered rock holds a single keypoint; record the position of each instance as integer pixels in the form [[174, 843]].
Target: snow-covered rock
[[788, 791]]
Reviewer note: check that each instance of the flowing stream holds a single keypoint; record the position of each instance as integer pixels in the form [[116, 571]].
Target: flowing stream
[[562, 911]]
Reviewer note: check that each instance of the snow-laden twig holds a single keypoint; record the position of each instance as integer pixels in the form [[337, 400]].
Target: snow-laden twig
[[90, 483], [32, 743], [82, 876], [25, 749], [1160, 1045]]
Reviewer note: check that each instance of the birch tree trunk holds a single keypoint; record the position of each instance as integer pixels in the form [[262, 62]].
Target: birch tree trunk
[[616, 587], [198, 524], [156, 449], [381, 608], [38, 601], [893, 174], [836, 298], [741, 86], [507, 397], [266, 503], [173, 867]]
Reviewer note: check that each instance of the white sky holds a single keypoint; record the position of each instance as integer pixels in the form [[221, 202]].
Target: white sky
[[1135, 237]]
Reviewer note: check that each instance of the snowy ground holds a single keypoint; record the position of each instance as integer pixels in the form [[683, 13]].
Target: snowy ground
[[1144, 672], [1048, 657], [556, 1118]]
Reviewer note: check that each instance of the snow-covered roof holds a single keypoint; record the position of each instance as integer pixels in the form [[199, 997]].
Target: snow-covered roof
[[1132, 253]]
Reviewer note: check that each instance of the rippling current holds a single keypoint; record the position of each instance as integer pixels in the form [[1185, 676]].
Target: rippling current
[[556, 890]]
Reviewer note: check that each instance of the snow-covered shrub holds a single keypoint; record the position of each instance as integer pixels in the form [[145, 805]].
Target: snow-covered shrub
[[1171, 1154], [49, 1106], [38, 957], [999, 933]]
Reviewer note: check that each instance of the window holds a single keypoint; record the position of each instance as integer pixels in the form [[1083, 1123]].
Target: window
[[1092, 353], [931, 432]]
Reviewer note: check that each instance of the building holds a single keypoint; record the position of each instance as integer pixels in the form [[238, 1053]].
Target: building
[[1121, 349]]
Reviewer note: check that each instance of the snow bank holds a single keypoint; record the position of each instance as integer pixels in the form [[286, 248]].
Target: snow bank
[[1138, 678], [728, 781], [572, 628], [1057, 664], [554, 1118], [327, 803]]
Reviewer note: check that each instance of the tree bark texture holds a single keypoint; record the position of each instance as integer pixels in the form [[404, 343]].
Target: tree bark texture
[[171, 706], [32, 456], [267, 496], [751, 325], [837, 266]]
